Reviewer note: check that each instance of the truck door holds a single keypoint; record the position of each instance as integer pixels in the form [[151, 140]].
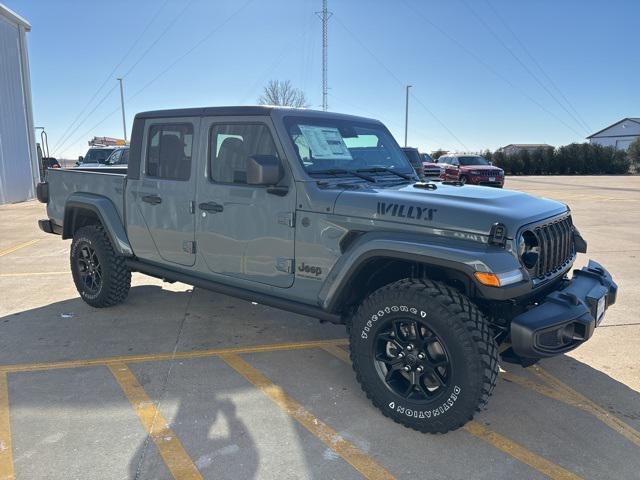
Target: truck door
[[244, 231], [160, 210]]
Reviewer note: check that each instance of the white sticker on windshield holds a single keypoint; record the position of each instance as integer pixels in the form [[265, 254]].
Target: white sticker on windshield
[[325, 142]]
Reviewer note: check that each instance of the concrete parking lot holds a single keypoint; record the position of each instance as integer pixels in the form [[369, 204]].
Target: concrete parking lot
[[184, 383]]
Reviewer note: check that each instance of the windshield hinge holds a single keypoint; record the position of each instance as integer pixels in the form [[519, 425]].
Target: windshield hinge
[[286, 218], [284, 264], [189, 247]]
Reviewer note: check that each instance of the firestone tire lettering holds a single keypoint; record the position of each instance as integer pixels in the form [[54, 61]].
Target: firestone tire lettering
[[462, 332]]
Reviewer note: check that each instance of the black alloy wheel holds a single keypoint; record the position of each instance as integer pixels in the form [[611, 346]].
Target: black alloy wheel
[[411, 360]]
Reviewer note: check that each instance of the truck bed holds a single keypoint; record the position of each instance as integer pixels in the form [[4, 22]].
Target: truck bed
[[65, 182]]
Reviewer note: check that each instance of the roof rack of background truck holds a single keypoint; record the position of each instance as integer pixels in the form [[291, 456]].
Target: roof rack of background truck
[[107, 142]]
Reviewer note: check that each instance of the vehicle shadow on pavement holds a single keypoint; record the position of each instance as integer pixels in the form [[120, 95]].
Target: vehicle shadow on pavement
[[232, 450], [615, 397], [203, 410], [206, 403]]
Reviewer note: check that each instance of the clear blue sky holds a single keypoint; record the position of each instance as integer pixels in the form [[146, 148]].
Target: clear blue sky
[[480, 95]]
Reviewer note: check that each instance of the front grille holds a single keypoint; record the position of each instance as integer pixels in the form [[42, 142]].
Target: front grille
[[432, 172], [557, 249], [489, 173]]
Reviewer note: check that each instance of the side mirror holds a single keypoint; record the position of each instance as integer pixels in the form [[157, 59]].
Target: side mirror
[[80, 159], [264, 170]]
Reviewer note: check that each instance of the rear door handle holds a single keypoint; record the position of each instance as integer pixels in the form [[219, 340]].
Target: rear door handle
[[211, 207], [152, 199]]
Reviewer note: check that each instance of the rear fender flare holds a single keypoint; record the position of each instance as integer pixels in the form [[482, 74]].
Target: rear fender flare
[[106, 212]]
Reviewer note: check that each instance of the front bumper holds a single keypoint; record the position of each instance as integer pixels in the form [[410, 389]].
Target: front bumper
[[485, 182], [565, 318]]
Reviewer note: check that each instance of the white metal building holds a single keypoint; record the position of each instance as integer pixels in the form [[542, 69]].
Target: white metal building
[[19, 170], [620, 135]]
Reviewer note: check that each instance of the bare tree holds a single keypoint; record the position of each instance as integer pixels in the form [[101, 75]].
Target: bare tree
[[282, 93]]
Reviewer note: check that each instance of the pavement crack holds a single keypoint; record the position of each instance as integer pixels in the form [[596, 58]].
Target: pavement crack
[[165, 383]]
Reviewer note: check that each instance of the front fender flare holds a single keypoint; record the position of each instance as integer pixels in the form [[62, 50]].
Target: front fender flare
[[106, 211], [463, 256]]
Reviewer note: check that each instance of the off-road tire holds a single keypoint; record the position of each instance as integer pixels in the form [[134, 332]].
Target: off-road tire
[[461, 329], [115, 276]]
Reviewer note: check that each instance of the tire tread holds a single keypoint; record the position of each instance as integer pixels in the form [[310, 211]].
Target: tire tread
[[465, 314]]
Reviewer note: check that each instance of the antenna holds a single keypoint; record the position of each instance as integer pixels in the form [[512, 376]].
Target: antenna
[[324, 15]]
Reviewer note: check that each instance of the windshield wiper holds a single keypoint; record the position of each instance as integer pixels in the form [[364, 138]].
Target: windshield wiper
[[338, 171], [386, 169]]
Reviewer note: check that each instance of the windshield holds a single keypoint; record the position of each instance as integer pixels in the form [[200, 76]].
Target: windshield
[[325, 144], [97, 155], [413, 156], [473, 160]]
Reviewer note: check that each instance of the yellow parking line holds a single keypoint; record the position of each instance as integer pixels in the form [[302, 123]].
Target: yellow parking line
[[173, 453], [500, 442], [364, 464], [576, 399], [537, 387], [518, 452], [32, 274], [18, 247], [30, 367], [338, 352], [6, 458]]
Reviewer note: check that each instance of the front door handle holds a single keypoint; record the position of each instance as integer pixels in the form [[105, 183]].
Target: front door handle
[[211, 207], [152, 199]]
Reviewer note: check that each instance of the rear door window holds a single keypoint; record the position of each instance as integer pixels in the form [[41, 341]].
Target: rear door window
[[169, 151]]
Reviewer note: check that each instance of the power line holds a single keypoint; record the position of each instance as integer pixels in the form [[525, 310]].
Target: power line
[[106, 95], [400, 82], [197, 44], [537, 64], [158, 38], [88, 132], [519, 60], [171, 65], [284, 52], [490, 68], [386, 121], [104, 82]]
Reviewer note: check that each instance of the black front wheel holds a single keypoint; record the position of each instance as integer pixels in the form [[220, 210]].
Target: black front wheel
[[424, 354], [100, 274]]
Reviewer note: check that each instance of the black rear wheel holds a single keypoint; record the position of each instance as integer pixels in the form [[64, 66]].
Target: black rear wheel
[[101, 276], [424, 354]]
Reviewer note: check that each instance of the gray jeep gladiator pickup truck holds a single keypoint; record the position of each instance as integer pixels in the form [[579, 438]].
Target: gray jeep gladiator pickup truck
[[321, 214]]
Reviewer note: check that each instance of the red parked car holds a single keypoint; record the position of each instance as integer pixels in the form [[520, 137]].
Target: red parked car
[[471, 169]]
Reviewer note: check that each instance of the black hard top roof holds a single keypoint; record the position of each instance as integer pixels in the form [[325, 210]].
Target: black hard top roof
[[257, 110]]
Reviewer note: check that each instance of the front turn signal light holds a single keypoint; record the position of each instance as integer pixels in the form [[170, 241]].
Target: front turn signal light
[[488, 279], [499, 279]]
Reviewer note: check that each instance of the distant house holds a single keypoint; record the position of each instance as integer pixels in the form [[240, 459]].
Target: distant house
[[514, 148], [620, 135]]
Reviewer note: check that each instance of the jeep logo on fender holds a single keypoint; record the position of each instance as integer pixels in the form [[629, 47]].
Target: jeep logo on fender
[[406, 211], [309, 269]]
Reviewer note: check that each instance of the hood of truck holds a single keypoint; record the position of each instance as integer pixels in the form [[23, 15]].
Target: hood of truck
[[459, 208]]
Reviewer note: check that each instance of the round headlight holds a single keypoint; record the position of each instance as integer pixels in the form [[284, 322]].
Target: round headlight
[[528, 249]]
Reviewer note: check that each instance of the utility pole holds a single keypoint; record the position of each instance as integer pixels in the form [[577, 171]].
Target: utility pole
[[124, 122], [406, 114], [324, 15]]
